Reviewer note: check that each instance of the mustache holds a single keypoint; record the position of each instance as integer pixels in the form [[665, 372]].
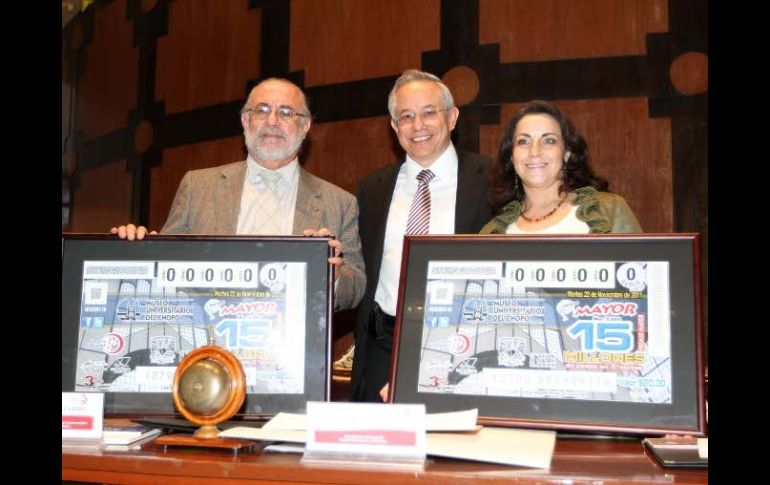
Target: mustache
[[270, 131]]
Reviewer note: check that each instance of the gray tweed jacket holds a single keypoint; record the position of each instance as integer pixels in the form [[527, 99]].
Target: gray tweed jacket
[[208, 202]]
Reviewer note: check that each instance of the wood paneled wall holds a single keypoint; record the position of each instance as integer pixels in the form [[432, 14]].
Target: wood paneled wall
[[157, 86]]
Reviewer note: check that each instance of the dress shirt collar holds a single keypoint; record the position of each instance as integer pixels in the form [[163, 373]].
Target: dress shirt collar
[[444, 167]]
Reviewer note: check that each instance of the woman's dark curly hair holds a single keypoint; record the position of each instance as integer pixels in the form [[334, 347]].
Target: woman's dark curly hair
[[507, 186]]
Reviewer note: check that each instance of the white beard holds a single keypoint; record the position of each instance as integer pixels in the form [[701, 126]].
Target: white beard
[[268, 151]]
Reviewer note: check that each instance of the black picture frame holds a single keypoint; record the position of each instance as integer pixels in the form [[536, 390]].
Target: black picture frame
[[154, 324], [507, 376]]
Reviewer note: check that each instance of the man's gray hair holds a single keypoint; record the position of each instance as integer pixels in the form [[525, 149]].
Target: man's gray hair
[[412, 75]]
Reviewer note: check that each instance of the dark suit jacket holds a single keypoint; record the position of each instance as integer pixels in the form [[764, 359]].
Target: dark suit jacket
[[375, 193]]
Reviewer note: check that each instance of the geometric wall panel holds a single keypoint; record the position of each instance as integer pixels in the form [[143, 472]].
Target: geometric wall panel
[[567, 29], [107, 89], [210, 52], [103, 198], [378, 38]]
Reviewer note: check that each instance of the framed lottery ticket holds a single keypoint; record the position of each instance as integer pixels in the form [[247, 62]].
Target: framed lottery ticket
[[585, 333], [131, 310]]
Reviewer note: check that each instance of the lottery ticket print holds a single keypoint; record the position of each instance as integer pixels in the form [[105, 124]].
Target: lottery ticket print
[[139, 319], [585, 330]]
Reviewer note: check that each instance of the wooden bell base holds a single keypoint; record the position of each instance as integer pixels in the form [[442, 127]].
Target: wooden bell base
[[232, 444]]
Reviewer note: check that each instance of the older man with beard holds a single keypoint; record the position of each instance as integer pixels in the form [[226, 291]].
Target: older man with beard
[[269, 193]]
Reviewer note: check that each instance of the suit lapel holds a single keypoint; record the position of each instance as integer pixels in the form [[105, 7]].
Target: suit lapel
[[307, 211], [386, 184], [228, 198], [471, 183], [379, 206]]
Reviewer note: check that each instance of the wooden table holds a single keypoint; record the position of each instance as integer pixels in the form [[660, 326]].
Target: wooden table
[[574, 461]]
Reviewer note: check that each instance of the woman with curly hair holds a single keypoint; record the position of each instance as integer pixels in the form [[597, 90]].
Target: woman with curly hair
[[542, 182]]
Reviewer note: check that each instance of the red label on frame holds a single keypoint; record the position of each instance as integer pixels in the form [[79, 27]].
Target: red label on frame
[[368, 437], [77, 422]]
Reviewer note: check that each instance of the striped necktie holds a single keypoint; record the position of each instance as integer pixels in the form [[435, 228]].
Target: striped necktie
[[419, 214]]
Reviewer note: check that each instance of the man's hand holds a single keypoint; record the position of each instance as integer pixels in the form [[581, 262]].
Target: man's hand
[[336, 260], [131, 232], [384, 392]]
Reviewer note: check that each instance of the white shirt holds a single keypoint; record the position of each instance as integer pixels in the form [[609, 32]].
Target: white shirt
[[443, 192], [569, 225], [264, 211]]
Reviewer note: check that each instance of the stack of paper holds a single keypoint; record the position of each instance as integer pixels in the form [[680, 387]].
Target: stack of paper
[[453, 435]]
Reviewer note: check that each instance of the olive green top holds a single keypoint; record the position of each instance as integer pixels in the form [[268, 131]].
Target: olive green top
[[604, 213]]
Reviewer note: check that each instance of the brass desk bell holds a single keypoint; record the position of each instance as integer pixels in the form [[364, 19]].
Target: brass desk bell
[[209, 388]]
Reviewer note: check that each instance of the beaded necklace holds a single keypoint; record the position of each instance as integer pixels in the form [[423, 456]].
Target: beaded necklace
[[546, 216]]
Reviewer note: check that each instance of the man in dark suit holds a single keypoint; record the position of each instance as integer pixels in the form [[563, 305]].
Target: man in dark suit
[[392, 202]]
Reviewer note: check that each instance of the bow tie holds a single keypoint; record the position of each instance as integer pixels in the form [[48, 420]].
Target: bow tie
[[264, 178]]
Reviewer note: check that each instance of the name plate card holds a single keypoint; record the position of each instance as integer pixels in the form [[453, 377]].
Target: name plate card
[[82, 415], [366, 433]]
